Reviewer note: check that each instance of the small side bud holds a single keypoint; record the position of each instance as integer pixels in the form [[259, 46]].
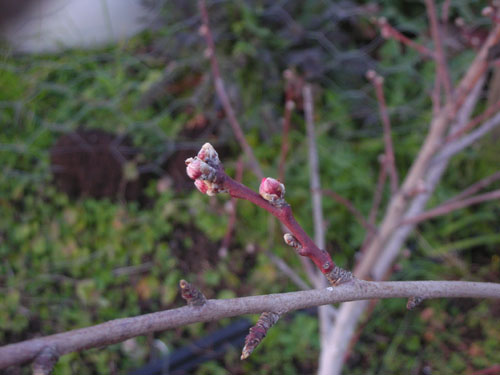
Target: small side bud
[[272, 191], [292, 241], [413, 302], [191, 294], [203, 30], [258, 332], [197, 168], [208, 154], [339, 276], [208, 187], [201, 186], [370, 75]]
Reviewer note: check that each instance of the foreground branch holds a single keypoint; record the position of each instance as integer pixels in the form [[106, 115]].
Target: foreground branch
[[120, 330]]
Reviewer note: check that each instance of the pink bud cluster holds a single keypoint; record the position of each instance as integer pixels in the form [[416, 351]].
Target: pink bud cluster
[[272, 191], [203, 169]]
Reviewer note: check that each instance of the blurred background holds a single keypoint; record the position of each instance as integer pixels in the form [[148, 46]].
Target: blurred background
[[102, 101]]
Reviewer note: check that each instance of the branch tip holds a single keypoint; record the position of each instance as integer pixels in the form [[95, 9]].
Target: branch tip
[[258, 332], [272, 191]]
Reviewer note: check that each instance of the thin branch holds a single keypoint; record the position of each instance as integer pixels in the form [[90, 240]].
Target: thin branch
[[445, 12], [289, 106], [490, 111], [288, 271], [390, 160], [442, 72], [461, 143], [315, 184], [481, 184], [350, 207], [452, 206], [325, 322], [379, 189], [206, 32], [119, 330], [389, 32]]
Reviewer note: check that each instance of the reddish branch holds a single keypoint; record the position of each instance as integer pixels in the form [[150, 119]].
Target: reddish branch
[[390, 161], [206, 32], [210, 178], [490, 111], [441, 65], [475, 187], [389, 32], [446, 208]]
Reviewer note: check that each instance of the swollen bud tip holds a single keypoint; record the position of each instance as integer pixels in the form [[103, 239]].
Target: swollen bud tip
[[272, 191], [208, 154]]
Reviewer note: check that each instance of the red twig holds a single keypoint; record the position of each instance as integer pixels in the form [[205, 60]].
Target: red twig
[[389, 32], [441, 66], [446, 208], [350, 207], [390, 161], [475, 187], [221, 91], [490, 111], [210, 178]]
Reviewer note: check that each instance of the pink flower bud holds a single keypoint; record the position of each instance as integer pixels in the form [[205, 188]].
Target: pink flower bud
[[272, 191], [201, 186], [208, 154], [197, 168], [193, 168]]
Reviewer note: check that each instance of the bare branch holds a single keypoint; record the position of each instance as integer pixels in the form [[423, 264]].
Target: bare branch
[[442, 73], [289, 106], [285, 268], [389, 32], [446, 208], [120, 330], [474, 122], [319, 223], [475, 187], [390, 160]]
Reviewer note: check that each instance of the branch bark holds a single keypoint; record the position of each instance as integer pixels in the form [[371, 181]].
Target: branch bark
[[120, 330]]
